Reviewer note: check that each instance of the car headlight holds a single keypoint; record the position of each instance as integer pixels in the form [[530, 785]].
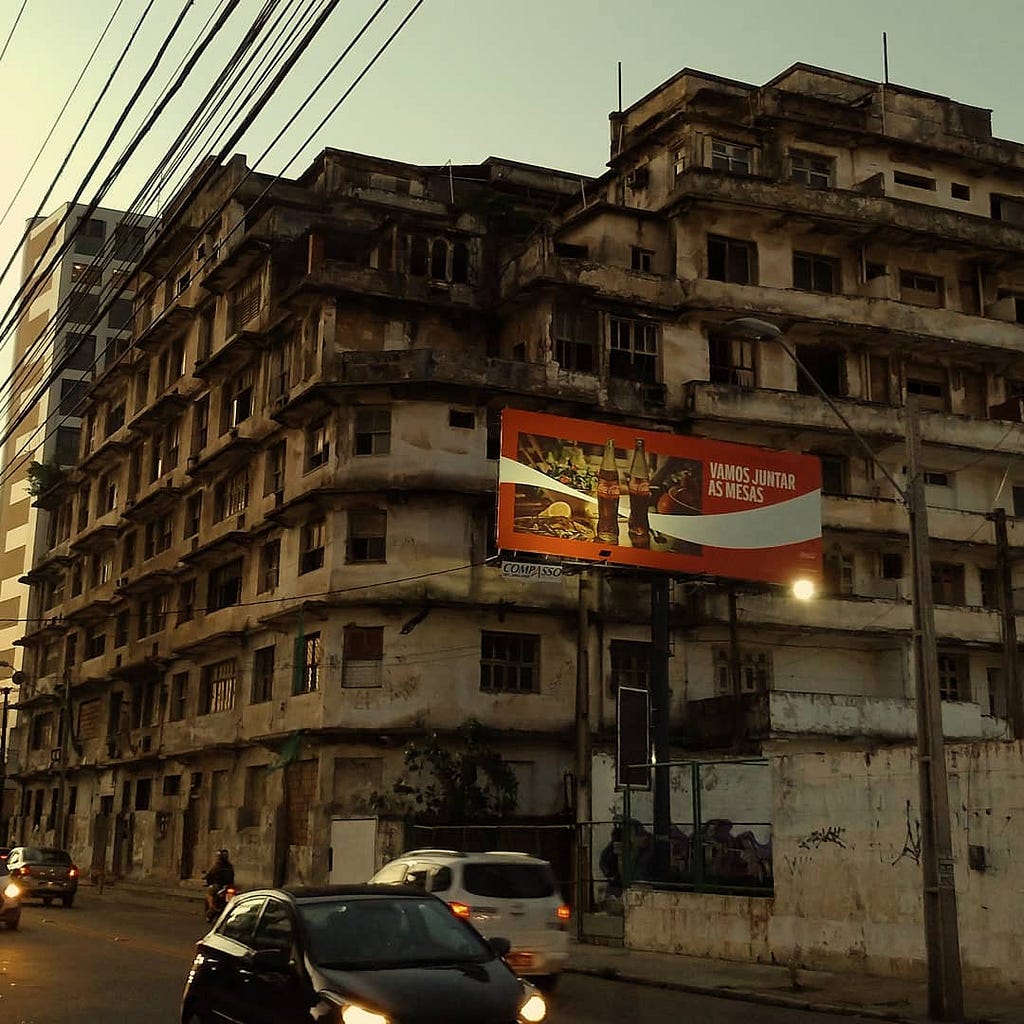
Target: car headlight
[[534, 1009], [12, 892], [353, 1014]]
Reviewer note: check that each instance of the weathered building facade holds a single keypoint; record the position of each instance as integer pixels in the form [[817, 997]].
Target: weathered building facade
[[274, 547]]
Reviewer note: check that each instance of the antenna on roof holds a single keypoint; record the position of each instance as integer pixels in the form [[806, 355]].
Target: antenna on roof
[[885, 76], [620, 86]]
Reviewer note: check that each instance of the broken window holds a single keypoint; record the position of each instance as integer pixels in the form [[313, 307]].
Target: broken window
[[641, 259], [812, 170], [823, 365], [732, 260], [225, 586], [732, 157], [1008, 208], [731, 361], [217, 692], [318, 445], [947, 583], [914, 180], [633, 349], [575, 339], [838, 575], [929, 385], [363, 656], [755, 667], [236, 404], [311, 548], [630, 665], [922, 289], [813, 273], [954, 676]]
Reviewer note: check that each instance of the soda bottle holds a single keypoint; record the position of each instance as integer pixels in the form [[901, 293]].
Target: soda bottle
[[608, 493], [639, 498]]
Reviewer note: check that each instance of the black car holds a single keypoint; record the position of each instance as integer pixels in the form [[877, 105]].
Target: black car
[[352, 955], [43, 873]]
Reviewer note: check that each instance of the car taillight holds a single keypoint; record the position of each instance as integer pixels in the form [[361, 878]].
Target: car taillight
[[72, 871], [461, 910], [563, 913], [26, 870]]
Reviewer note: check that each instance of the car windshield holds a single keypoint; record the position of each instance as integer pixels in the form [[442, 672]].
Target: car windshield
[[375, 932], [528, 881], [37, 855]]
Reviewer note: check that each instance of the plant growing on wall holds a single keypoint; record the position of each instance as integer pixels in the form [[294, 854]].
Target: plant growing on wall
[[457, 780], [42, 476]]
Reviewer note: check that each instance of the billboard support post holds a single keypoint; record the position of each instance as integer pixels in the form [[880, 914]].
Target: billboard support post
[[660, 721]]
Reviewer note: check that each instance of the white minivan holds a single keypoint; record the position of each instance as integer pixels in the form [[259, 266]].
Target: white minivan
[[509, 895]]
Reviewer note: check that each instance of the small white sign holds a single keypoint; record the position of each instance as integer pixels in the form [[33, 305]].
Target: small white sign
[[530, 571]]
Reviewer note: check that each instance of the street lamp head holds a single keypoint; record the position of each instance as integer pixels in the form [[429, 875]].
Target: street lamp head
[[754, 328]]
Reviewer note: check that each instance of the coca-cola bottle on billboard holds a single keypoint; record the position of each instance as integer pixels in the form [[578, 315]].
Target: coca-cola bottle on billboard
[[608, 494], [639, 498]]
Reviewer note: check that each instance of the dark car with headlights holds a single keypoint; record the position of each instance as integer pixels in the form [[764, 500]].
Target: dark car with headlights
[[43, 872], [352, 955], [10, 904]]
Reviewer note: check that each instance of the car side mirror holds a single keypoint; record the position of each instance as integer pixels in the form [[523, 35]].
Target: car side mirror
[[269, 960], [499, 947]]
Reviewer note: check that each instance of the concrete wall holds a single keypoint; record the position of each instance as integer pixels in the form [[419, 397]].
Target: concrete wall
[[846, 843]]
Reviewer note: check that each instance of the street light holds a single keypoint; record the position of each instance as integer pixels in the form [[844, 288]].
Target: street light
[[6, 691], [942, 938]]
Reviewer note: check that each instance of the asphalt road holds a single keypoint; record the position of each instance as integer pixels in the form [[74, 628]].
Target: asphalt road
[[114, 959]]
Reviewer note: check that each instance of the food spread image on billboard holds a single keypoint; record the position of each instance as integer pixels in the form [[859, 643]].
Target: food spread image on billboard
[[589, 491]]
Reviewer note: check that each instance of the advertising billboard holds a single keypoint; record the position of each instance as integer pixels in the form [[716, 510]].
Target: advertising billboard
[[588, 491]]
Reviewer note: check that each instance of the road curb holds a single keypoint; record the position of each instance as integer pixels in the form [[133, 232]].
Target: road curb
[[743, 995]]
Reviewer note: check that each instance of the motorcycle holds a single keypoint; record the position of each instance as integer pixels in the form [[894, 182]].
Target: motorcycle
[[222, 896]]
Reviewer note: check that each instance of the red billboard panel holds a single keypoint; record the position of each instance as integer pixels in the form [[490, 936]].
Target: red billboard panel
[[586, 491]]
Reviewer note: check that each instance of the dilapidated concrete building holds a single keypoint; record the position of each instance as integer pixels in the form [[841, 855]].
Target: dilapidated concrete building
[[273, 552]]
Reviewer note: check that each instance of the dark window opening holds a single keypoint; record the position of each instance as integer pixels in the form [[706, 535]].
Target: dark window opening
[[914, 180], [824, 365], [813, 273], [732, 260]]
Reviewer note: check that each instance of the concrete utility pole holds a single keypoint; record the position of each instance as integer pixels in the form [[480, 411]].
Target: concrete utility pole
[[583, 797], [6, 691], [1011, 663], [660, 718], [942, 932]]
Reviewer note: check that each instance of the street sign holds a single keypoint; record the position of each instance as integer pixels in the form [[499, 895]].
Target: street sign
[[530, 571]]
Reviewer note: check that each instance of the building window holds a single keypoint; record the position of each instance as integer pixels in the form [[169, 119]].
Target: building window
[[812, 170], [193, 514], [1018, 502], [95, 641], [991, 588], [820, 367], [307, 664], [262, 675], [462, 419], [929, 385], [270, 566], [152, 613], [813, 273], [186, 601], [641, 259], [245, 302], [200, 424], [225, 586], [66, 447], [373, 431], [833, 474], [755, 669], [363, 656], [236, 400], [318, 445], [158, 536], [171, 785], [311, 549], [509, 662], [273, 482], [217, 688], [959, 191], [178, 705], [838, 574], [728, 156], [891, 565], [954, 676], [633, 349], [252, 808], [231, 496], [79, 351], [922, 289], [947, 583], [731, 361], [367, 536], [914, 181], [732, 260], [121, 630], [630, 665], [576, 333], [72, 397], [1008, 208], [143, 794]]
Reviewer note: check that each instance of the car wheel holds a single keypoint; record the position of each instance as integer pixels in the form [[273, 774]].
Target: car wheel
[[67, 901], [193, 1017], [545, 982]]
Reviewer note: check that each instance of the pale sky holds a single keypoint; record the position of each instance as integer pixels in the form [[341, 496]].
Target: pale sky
[[531, 80]]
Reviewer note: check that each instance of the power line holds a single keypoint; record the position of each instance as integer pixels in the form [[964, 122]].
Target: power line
[[10, 35]]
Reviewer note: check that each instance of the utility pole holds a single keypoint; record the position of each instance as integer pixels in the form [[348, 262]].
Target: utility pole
[[942, 935], [6, 691], [660, 717], [583, 797], [1011, 665]]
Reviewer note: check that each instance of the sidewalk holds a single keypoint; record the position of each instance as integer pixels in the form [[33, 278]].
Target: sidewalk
[[863, 995], [878, 998]]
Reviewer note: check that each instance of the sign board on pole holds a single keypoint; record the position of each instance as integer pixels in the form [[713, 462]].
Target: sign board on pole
[[632, 737], [588, 491], [530, 571]]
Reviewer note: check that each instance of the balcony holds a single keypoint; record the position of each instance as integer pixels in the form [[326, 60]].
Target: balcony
[[235, 353], [787, 714], [539, 267], [233, 260], [147, 581], [765, 407], [861, 216], [230, 451], [152, 334], [155, 501], [941, 331], [229, 538], [99, 534], [159, 413], [108, 453]]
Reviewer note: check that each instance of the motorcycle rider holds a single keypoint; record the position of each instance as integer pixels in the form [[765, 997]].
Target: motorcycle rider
[[221, 874]]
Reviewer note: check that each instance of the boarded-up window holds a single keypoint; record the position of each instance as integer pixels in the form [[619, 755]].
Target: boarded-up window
[[299, 796], [250, 813], [90, 719]]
